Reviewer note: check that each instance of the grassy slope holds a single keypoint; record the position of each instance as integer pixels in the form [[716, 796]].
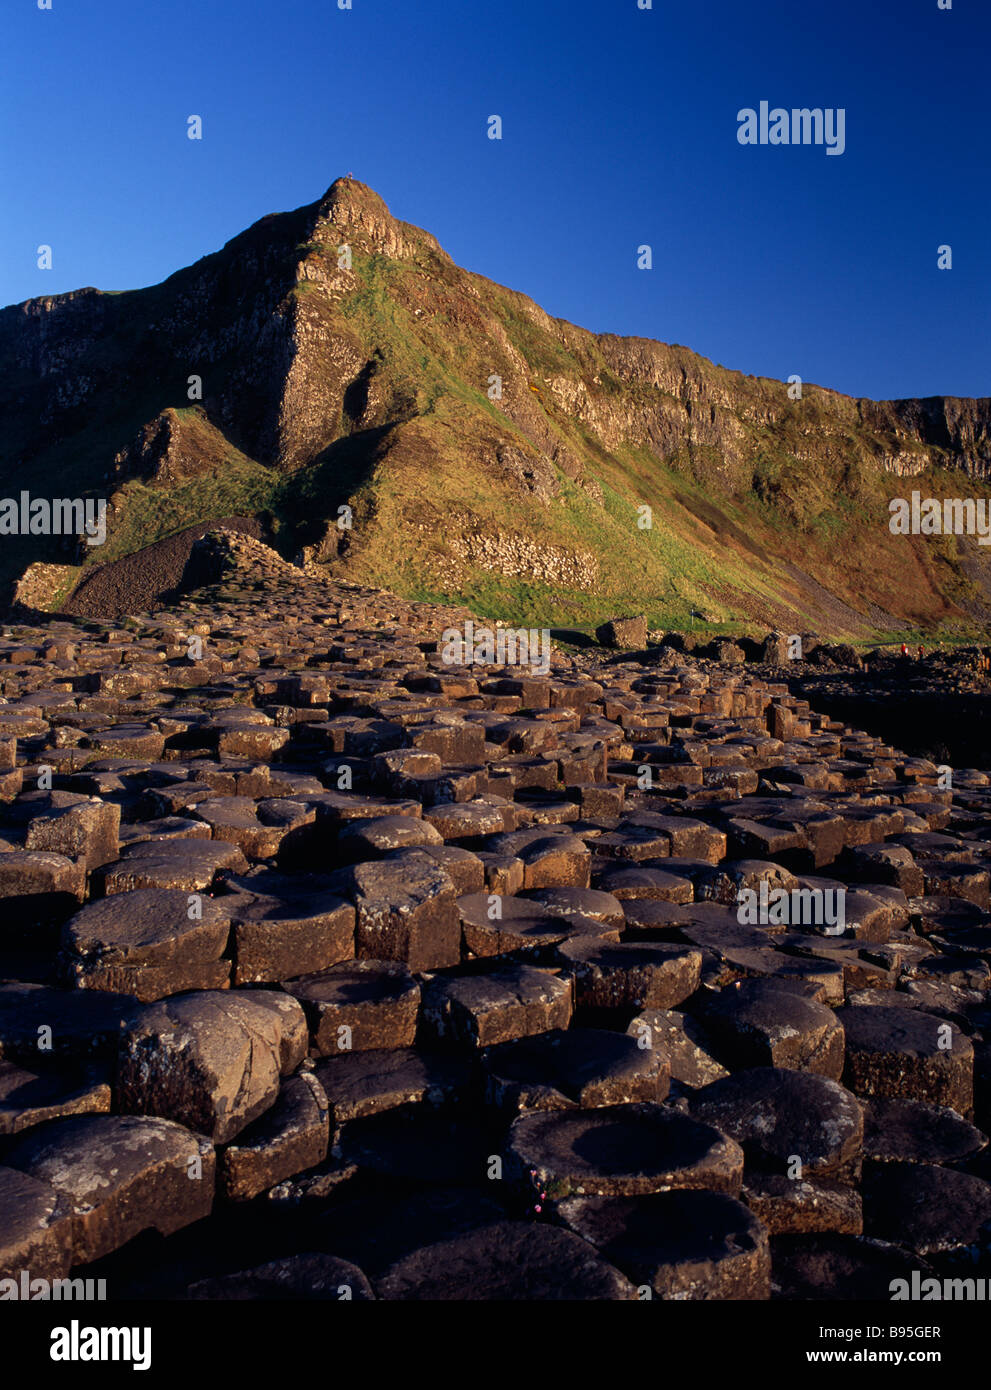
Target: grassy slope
[[720, 549]]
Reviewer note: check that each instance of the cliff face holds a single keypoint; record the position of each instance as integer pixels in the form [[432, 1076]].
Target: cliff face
[[335, 357]]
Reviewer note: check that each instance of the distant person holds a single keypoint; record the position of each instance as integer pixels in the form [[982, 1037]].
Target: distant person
[[904, 650], [922, 651]]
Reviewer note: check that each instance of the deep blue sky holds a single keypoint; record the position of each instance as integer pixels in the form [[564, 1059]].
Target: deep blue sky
[[619, 129]]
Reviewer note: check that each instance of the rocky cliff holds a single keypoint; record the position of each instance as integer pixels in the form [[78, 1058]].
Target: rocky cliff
[[403, 422]]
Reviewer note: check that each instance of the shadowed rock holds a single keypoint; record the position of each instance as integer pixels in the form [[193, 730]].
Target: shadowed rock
[[579, 1066], [926, 1208], [786, 1120], [29, 1098], [682, 1245], [289, 1138], [911, 1130], [507, 1261], [305, 1278], [760, 1024]]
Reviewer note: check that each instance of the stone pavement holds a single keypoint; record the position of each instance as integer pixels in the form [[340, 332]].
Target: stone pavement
[[326, 965]]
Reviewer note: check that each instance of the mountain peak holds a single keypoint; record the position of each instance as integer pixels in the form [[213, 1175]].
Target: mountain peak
[[358, 212], [348, 194]]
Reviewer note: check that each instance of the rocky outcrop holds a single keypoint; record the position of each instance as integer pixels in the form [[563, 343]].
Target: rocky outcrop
[[41, 586], [623, 632], [518, 555]]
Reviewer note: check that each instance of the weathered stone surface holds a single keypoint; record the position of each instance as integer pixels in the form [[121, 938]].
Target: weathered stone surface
[[798, 1206], [578, 1066], [29, 1097], [209, 1060], [35, 1228], [359, 1005], [378, 835], [87, 834], [481, 1010], [630, 975], [406, 911], [638, 885], [289, 1138], [423, 840], [284, 926], [549, 860], [578, 902], [367, 1083], [122, 1174], [497, 924], [623, 1150], [760, 1024], [908, 1054], [679, 1037], [39, 885], [913, 1131], [258, 829], [149, 943], [623, 632], [189, 865]]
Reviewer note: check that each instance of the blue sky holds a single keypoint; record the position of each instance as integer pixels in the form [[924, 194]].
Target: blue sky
[[620, 129]]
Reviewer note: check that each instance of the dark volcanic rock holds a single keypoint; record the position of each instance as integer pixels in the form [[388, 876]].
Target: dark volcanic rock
[[406, 911], [508, 1261], [926, 1208], [283, 927], [838, 1267], [908, 1054], [481, 1010], [149, 943], [35, 1227], [582, 1066], [760, 1023], [359, 1005], [796, 1206], [429, 951], [366, 1083], [623, 1150], [288, 1139], [631, 976], [307, 1278], [786, 1120], [30, 1098], [682, 1245], [911, 1130]]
